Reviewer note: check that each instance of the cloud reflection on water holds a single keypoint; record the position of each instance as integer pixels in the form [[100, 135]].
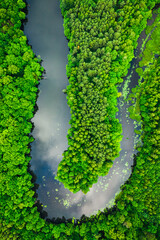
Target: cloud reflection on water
[[45, 33]]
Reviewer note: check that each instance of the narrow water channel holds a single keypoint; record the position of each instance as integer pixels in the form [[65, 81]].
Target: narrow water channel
[[45, 34]]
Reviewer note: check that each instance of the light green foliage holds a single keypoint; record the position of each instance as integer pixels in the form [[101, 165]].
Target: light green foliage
[[152, 47], [101, 47], [136, 213], [17, 100]]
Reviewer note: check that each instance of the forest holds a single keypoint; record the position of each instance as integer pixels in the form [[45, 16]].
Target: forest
[[102, 36], [100, 55]]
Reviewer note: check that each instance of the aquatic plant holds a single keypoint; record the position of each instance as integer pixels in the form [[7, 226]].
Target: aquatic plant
[[136, 213]]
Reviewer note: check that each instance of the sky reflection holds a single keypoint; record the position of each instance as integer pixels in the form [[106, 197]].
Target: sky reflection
[[45, 33]]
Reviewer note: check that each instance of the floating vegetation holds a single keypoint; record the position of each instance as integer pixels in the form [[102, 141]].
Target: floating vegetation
[[122, 159], [65, 202], [106, 186], [43, 177], [136, 213], [48, 193], [125, 89], [126, 164]]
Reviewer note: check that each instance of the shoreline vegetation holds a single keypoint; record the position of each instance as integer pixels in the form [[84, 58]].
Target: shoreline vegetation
[[136, 214], [148, 55], [101, 49]]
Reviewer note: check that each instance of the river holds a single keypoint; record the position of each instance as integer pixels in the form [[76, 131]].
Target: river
[[45, 33]]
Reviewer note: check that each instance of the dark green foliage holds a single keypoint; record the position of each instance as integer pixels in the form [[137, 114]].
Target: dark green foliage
[[101, 47], [152, 49], [19, 75], [136, 215], [66, 5]]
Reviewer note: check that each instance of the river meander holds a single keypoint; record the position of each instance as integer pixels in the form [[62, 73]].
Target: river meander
[[45, 34]]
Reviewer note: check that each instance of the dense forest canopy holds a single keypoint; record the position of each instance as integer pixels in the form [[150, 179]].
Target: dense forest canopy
[[102, 36]]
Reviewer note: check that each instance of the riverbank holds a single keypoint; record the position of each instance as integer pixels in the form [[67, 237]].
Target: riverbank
[[136, 212]]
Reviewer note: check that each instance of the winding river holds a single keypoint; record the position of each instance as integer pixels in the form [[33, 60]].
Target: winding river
[[45, 33]]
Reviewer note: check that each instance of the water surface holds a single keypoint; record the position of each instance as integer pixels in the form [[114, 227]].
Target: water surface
[[45, 33]]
